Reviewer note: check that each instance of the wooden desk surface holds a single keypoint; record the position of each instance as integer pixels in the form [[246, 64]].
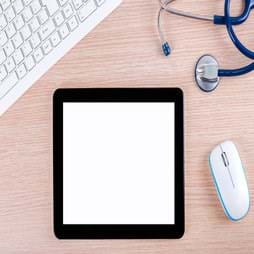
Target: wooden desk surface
[[124, 51]]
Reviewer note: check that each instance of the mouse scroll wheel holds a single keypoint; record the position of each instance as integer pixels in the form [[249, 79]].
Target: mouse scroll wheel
[[225, 159]]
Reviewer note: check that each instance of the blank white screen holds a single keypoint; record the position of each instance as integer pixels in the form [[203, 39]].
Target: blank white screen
[[118, 163]]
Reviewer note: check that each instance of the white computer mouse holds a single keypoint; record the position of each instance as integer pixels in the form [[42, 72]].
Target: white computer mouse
[[230, 180]]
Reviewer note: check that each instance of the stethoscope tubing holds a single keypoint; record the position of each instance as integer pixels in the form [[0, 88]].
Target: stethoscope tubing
[[248, 53], [236, 72], [238, 44]]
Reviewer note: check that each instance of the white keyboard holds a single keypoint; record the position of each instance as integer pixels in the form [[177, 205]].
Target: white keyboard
[[35, 34]]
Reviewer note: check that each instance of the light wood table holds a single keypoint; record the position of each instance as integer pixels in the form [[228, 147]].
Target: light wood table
[[124, 52]]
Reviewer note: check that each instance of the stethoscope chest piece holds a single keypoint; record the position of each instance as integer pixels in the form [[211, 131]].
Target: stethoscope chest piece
[[206, 73]]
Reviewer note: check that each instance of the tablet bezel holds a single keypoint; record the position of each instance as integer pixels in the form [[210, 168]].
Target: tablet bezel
[[105, 231]]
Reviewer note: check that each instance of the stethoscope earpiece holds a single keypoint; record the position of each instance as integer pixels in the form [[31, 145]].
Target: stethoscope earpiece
[[166, 49]]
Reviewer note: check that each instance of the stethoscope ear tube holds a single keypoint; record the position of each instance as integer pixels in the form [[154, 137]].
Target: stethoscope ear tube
[[165, 6]]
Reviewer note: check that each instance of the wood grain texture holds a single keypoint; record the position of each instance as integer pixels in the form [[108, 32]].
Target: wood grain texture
[[124, 52]]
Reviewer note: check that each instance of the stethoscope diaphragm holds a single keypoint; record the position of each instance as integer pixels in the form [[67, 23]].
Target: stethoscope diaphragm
[[206, 73]]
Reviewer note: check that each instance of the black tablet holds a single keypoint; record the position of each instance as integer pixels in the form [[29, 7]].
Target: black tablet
[[118, 163]]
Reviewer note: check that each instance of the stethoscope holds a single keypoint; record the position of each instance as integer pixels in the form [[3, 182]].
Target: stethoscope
[[207, 71]]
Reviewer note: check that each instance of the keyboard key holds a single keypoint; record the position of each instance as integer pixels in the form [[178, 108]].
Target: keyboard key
[[55, 39], [18, 6], [8, 84], [59, 19], [10, 30], [9, 64], [8, 48], [27, 2], [51, 5], [10, 14], [34, 24], [2, 56], [25, 32], [3, 73], [30, 63], [73, 23], [100, 2], [26, 48], [46, 47], [47, 29], [3, 22], [3, 38], [21, 71], [36, 6], [35, 40], [64, 31], [38, 55], [27, 14], [18, 56], [67, 10], [77, 3], [88, 8], [17, 40], [5, 4], [19, 22], [43, 16], [62, 2]]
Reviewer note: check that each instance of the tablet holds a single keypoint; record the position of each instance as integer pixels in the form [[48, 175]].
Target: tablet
[[118, 163]]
